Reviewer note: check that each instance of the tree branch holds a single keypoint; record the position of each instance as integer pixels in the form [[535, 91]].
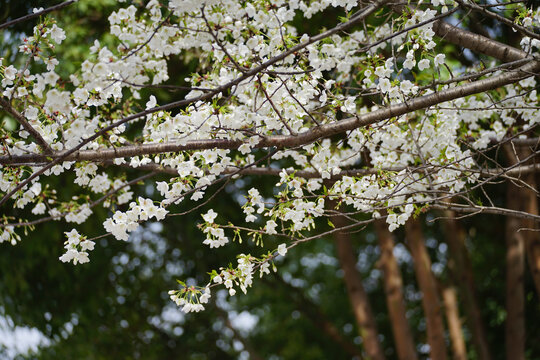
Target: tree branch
[[39, 13], [26, 125]]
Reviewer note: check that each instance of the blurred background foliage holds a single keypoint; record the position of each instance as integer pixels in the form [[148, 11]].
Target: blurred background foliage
[[117, 307]]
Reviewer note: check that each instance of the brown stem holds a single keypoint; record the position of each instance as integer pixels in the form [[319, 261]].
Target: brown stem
[[393, 287], [428, 287]]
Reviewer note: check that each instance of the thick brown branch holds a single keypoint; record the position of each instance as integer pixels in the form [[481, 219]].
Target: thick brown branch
[[284, 141], [502, 19], [477, 43], [472, 41]]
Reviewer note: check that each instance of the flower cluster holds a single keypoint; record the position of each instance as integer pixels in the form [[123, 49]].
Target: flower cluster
[[77, 248], [123, 223], [190, 298]]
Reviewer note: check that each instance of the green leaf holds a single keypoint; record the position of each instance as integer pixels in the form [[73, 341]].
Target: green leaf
[[331, 225]]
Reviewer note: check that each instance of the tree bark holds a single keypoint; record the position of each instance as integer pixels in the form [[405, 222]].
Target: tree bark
[[393, 287], [515, 300], [462, 273], [428, 287], [454, 323], [518, 197], [355, 289], [529, 204]]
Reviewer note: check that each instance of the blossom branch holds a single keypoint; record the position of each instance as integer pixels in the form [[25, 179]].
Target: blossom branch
[[357, 18], [283, 141], [36, 14], [26, 125]]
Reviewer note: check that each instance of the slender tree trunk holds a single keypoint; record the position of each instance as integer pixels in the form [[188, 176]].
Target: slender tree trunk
[[428, 287], [393, 287], [517, 198], [529, 203], [355, 289], [515, 266], [454, 323], [462, 273]]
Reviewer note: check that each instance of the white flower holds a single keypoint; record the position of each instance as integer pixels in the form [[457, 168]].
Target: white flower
[[73, 235], [68, 256], [244, 149], [10, 72], [87, 245], [81, 257], [210, 216], [384, 85], [31, 113], [151, 103], [57, 34], [408, 87], [51, 63], [271, 227], [206, 296], [409, 61], [439, 59], [264, 269], [39, 209], [282, 249], [423, 64]]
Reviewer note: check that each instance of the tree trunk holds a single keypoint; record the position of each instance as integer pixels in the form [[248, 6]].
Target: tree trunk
[[523, 199], [529, 203], [454, 323], [393, 287], [355, 289], [515, 300], [428, 287], [462, 273]]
